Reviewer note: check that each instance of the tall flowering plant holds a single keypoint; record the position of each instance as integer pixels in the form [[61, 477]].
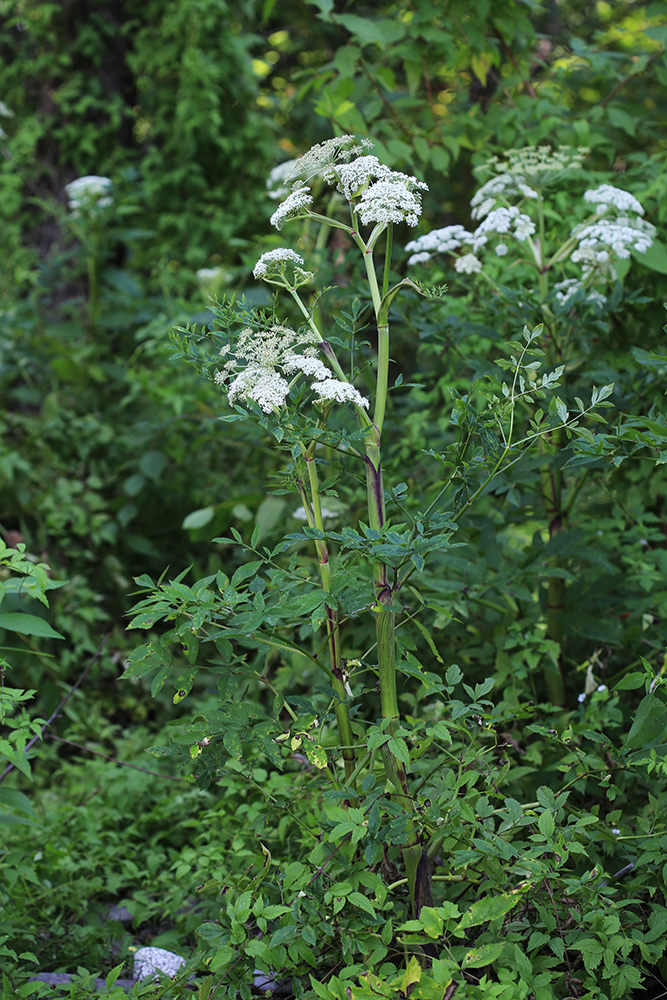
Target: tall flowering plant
[[561, 270], [308, 387]]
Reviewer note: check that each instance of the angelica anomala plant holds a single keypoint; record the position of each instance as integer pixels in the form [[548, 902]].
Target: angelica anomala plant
[[89, 200], [564, 265], [302, 384]]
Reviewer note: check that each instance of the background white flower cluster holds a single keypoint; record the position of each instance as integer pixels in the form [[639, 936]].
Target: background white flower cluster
[[506, 206]]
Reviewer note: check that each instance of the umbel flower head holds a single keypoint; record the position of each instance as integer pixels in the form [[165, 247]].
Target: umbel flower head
[[522, 173], [615, 230], [89, 194], [376, 193], [275, 267], [256, 367]]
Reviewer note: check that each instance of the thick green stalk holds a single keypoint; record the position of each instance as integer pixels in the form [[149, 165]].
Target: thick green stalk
[[333, 628], [417, 872], [555, 678]]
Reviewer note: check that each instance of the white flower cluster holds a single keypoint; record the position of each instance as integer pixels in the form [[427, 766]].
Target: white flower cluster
[[212, 277], [295, 205], [615, 231], [501, 221], [606, 197], [88, 194], [502, 186], [327, 514], [391, 199], [379, 195], [567, 289], [272, 266], [618, 230], [266, 356], [520, 172]]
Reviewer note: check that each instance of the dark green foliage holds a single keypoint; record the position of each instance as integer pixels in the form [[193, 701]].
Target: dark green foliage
[[545, 823]]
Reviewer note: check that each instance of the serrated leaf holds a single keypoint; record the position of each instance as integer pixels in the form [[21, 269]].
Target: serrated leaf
[[476, 958], [316, 755], [546, 824], [362, 902], [486, 909]]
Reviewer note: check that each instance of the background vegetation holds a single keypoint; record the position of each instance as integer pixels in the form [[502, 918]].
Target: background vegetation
[[114, 466]]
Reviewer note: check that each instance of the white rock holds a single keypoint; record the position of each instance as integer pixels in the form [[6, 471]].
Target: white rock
[[148, 961]]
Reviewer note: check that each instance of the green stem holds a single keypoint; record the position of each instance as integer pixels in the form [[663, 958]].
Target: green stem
[[417, 871], [93, 291], [552, 493], [333, 630]]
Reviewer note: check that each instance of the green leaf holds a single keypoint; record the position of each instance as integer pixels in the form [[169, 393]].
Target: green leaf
[[631, 681], [431, 921], [488, 908], [476, 958], [269, 514], [546, 824], [315, 754], [232, 743], [16, 800], [153, 464], [650, 723], [398, 748], [184, 684], [17, 621], [655, 257], [362, 902], [324, 6], [383, 32], [198, 518]]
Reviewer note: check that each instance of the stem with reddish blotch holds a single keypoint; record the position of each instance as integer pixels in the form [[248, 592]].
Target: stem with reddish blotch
[[333, 628]]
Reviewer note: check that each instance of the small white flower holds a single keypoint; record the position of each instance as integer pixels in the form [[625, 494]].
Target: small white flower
[[419, 258], [312, 367], [296, 204], [468, 264], [502, 249], [355, 176], [615, 830], [438, 241], [89, 194], [609, 238], [567, 289], [208, 274], [502, 186], [607, 196], [341, 392], [392, 199], [263, 385], [581, 698], [501, 221], [273, 262], [602, 687]]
